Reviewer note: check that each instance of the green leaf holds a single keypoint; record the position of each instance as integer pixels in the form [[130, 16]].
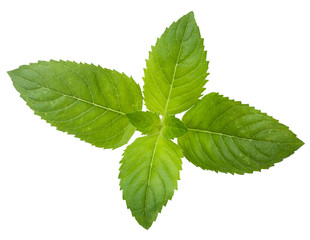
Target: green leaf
[[145, 122], [84, 100], [148, 176], [176, 70], [227, 136], [173, 127]]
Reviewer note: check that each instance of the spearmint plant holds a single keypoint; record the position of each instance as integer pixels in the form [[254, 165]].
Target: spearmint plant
[[103, 107]]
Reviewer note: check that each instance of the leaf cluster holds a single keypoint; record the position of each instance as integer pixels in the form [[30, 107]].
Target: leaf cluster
[[103, 107]]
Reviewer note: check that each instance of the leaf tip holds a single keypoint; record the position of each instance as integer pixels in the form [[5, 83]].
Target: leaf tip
[[191, 14], [145, 225], [299, 143], [10, 73]]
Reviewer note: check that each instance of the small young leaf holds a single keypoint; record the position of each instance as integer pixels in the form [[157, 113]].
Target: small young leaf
[[145, 122], [176, 70], [84, 100], [148, 176], [227, 136], [173, 127]]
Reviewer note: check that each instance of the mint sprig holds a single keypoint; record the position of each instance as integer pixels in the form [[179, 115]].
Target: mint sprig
[[103, 107]]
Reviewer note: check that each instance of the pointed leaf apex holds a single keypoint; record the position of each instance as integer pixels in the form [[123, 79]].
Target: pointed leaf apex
[[191, 13], [300, 143]]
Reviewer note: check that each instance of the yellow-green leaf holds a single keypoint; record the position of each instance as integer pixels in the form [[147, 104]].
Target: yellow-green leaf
[[176, 69], [228, 136], [148, 176], [84, 100]]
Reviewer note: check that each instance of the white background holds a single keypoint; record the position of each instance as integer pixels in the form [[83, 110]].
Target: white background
[[54, 186]]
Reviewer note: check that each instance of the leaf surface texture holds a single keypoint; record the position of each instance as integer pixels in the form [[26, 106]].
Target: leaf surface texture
[[176, 69], [148, 176], [228, 136], [84, 100]]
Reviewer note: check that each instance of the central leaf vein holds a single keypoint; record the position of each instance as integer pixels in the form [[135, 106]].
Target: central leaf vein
[[236, 137], [175, 68], [76, 98], [150, 173]]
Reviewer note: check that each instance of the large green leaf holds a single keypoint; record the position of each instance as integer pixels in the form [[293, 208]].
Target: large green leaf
[[176, 70], [85, 100], [148, 176], [227, 136]]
